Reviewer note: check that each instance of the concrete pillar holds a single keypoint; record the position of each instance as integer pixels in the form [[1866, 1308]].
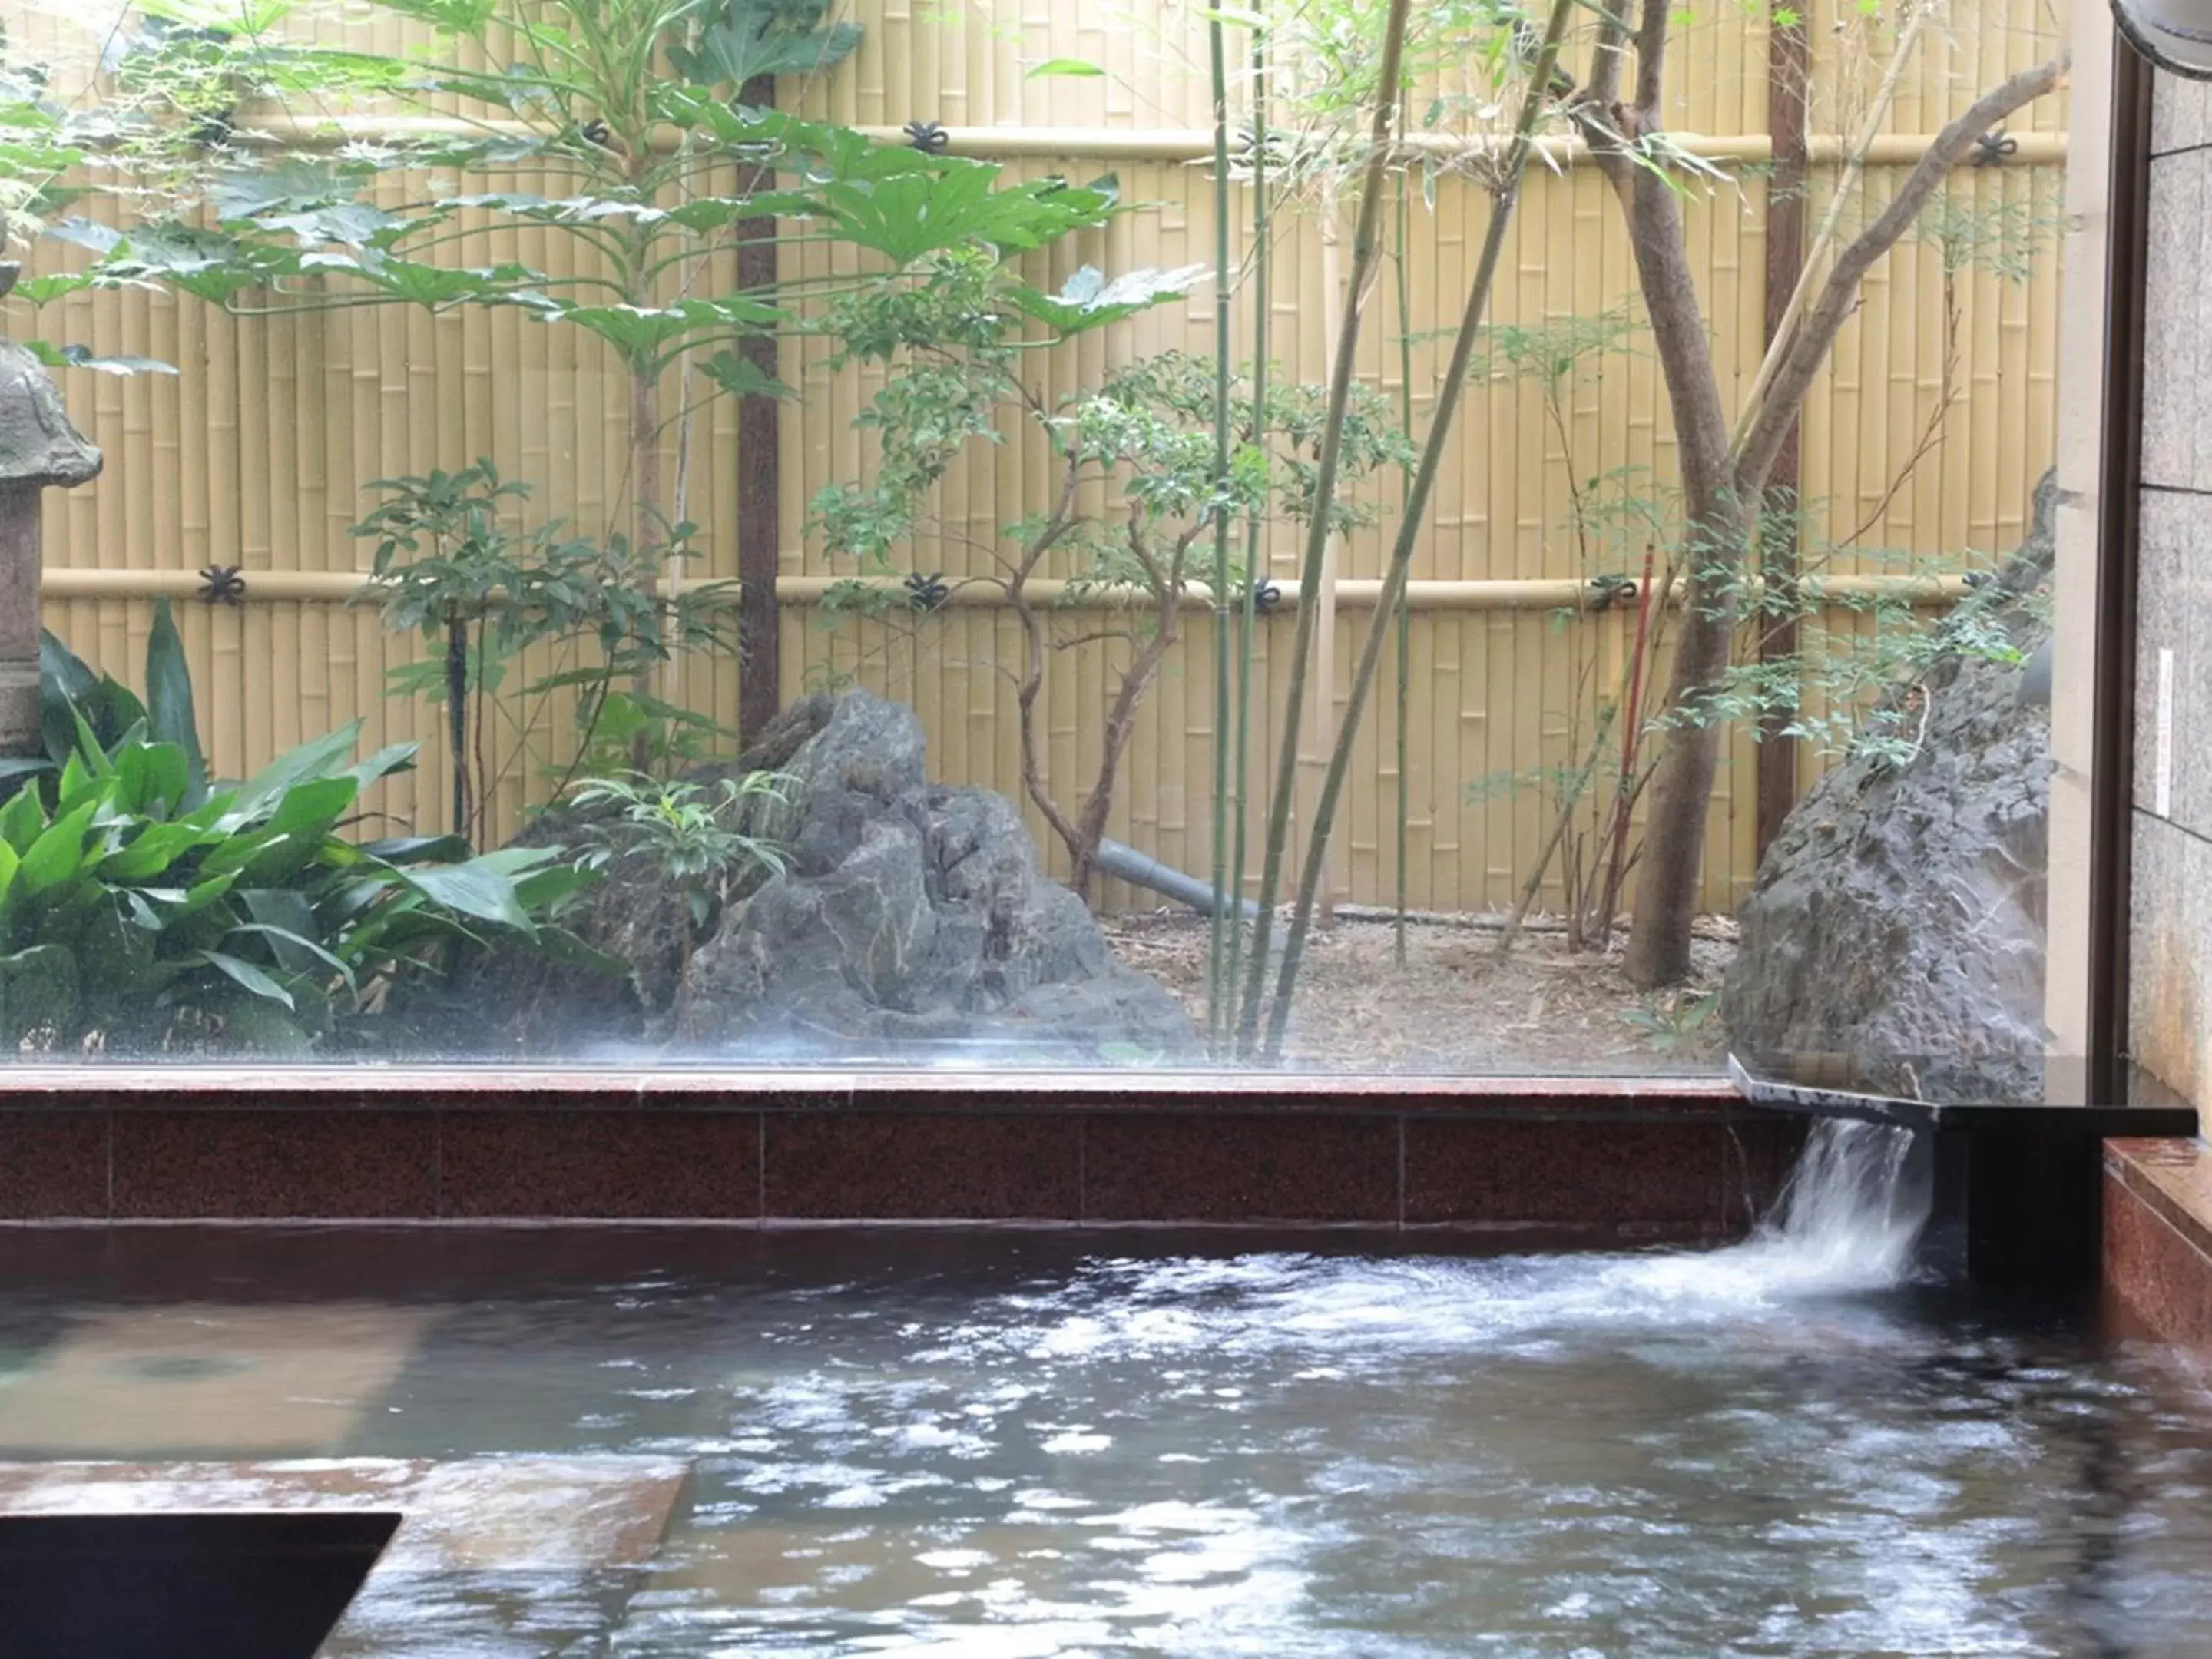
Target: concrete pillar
[[39, 448]]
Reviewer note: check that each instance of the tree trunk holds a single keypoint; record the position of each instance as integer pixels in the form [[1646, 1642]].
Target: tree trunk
[[1121, 726], [645, 490], [1723, 478], [457, 717], [1689, 757], [1674, 848]]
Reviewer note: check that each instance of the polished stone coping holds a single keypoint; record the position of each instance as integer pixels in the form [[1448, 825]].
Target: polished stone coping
[[1805, 1090], [455, 1086]]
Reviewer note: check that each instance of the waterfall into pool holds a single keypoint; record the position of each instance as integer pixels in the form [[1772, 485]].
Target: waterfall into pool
[[1853, 1210]]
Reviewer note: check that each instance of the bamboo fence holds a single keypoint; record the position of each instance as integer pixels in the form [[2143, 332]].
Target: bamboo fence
[[255, 455]]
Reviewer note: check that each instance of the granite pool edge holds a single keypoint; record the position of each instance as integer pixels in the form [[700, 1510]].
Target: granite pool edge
[[1605, 1161]]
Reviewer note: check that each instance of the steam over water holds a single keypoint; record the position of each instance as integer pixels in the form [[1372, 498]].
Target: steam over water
[[1000, 1445]]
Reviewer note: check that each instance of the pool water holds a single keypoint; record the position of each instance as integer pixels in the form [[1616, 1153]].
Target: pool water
[[1007, 1443]]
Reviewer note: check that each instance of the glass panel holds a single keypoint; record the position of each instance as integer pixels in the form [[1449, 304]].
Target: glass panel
[[710, 579]]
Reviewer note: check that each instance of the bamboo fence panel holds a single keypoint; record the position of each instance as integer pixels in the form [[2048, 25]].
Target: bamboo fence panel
[[258, 454]]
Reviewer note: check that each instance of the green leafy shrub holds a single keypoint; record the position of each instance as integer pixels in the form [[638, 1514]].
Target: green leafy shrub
[[696, 836], [142, 911], [447, 563]]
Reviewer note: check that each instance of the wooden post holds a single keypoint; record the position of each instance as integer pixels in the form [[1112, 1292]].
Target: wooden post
[[1787, 57], [37, 448], [759, 670]]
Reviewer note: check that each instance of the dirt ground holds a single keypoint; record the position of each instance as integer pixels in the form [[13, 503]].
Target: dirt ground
[[1454, 1006]]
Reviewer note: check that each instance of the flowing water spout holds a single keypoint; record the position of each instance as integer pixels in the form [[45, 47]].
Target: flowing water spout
[[1854, 1208]]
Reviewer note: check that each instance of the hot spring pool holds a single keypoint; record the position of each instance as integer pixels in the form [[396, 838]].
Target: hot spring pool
[[1003, 1443]]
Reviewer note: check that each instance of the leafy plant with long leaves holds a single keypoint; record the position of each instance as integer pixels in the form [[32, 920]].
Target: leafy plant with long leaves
[[143, 910]]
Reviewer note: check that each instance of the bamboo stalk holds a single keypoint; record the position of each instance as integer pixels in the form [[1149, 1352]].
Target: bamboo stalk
[[1401, 553], [1405, 618], [1255, 529], [1363, 246], [1810, 275], [1217, 958]]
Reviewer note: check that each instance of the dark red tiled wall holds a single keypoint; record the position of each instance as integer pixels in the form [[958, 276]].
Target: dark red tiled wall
[[1602, 1170]]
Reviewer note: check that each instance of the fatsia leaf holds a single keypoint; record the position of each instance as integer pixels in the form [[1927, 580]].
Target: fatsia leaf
[[43, 290], [742, 378], [348, 224], [907, 215], [1087, 300], [445, 285], [642, 331], [80, 357], [747, 38], [289, 185]]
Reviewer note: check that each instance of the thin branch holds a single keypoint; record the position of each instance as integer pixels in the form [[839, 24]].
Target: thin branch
[[1785, 331], [1762, 439]]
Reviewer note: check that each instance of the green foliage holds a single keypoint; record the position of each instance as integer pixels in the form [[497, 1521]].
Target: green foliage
[[590, 81], [1674, 1021], [445, 551], [1554, 352], [948, 335], [142, 912], [81, 713], [1134, 461], [449, 562], [696, 837], [2005, 236], [621, 725], [734, 43]]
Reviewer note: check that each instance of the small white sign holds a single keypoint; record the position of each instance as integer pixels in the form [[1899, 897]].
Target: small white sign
[[2162, 766]]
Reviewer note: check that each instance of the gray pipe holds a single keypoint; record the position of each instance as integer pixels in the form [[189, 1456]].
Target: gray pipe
[[1135, 868], [2035, 679]]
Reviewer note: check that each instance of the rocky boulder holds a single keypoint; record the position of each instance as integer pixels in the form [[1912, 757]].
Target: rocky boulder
[[911, 923], [1898, 919]]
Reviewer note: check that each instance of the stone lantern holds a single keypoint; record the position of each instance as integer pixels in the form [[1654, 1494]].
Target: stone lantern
[[39, 448]]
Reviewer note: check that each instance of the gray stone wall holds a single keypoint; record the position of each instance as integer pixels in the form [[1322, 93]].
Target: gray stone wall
[[2170, 1018]]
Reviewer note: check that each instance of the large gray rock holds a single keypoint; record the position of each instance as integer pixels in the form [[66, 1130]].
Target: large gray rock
[[1898, 919], [912, 921]]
